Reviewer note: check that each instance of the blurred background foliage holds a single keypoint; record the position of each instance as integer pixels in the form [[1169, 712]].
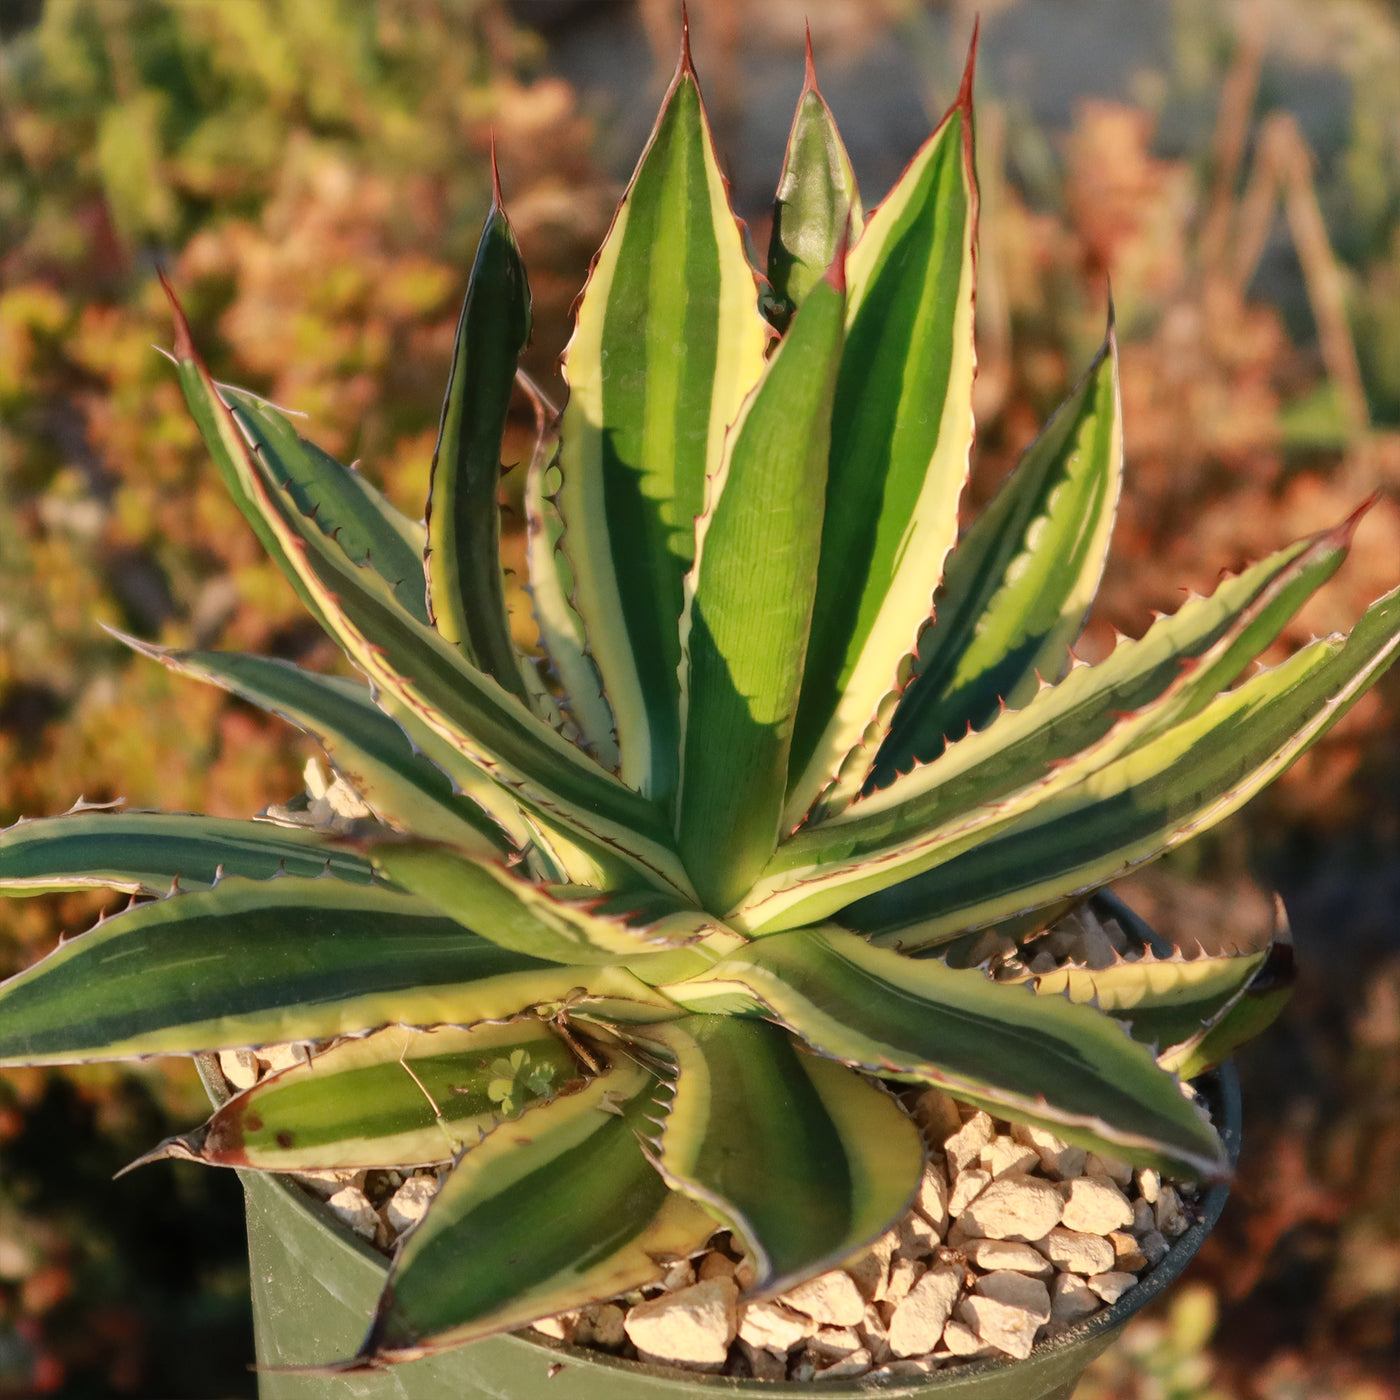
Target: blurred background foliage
[[313, 173]]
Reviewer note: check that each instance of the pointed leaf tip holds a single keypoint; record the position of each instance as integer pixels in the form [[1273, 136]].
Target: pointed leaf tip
[[496, 200], [184, 341], [687, 65], [809, 75], [963, 101], [1346, 531]]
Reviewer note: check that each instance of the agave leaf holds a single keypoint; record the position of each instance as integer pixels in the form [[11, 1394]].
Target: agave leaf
[[1142, 804], [146, 852], [752, 1109], [466, 591], [373, 753], [1247, 1014], [1020, 581], [555, 1211], [350, 511], [266, 962], [749, 603], [558, 924], [1040, 1060], [667, 344], [900, 435], [817, 209], [1163, 1001], [980, 784], [417, 672], [561, 628], [397, 1098]]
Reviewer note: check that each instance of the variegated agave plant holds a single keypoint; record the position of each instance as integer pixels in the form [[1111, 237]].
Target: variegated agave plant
[[677, 903]]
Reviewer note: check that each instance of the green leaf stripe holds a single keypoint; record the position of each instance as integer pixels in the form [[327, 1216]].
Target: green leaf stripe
[[1148, 801], [979, 785], [398, 1098], [900, 436], [817, 209], [1033, 1059], [1020, 581], [265, 962], [350, 511], [752, 1109], [466, 590], [554, 1211], [749, 604], [147, 852], [401, 785], [668, 342]]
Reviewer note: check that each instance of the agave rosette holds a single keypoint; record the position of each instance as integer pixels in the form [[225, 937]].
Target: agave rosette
[[641, 940]]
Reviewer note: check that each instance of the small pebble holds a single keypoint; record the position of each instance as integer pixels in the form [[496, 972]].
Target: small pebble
[[1154, 1246], [354, 1208], [831, 1298], [918, 1321], [1114, 1168], [1057, 1159], [932, 1200], [1071, 1299], [988, 1255], [1005, 1154], [1095, 1205], [1111, 1285], [409, 1204], [693, 1326], [961, 1340], [1015, 1207], [965, 1145], [769, 1324], [967, 1186], [601, 1325], [1077, 1253], [855, 1363]]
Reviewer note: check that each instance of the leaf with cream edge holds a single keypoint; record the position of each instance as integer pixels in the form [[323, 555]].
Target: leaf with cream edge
[[667, 344], [397, 781], [900, 438], [817, 208], [561, 629], [748, 605], [266, 962], [145, 853], [656, 937], [1020, 581], [1144, 803], [466, 587], [488, 728], [347, 508], [554, 1211], [752, 1107], [397, 1098], [1163, 1001], [980, 784], [1032, 1059]]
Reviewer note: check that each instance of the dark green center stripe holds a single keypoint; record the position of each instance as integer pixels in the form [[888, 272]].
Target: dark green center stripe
[[569, 1215], [156, 847], [660, 343], [770, 1149], [167, 965], [884, 431]]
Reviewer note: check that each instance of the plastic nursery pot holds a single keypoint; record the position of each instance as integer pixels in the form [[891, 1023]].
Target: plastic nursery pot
[[315, 1283]]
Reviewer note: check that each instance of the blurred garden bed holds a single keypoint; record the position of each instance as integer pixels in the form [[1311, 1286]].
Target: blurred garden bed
[[312, 174]]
